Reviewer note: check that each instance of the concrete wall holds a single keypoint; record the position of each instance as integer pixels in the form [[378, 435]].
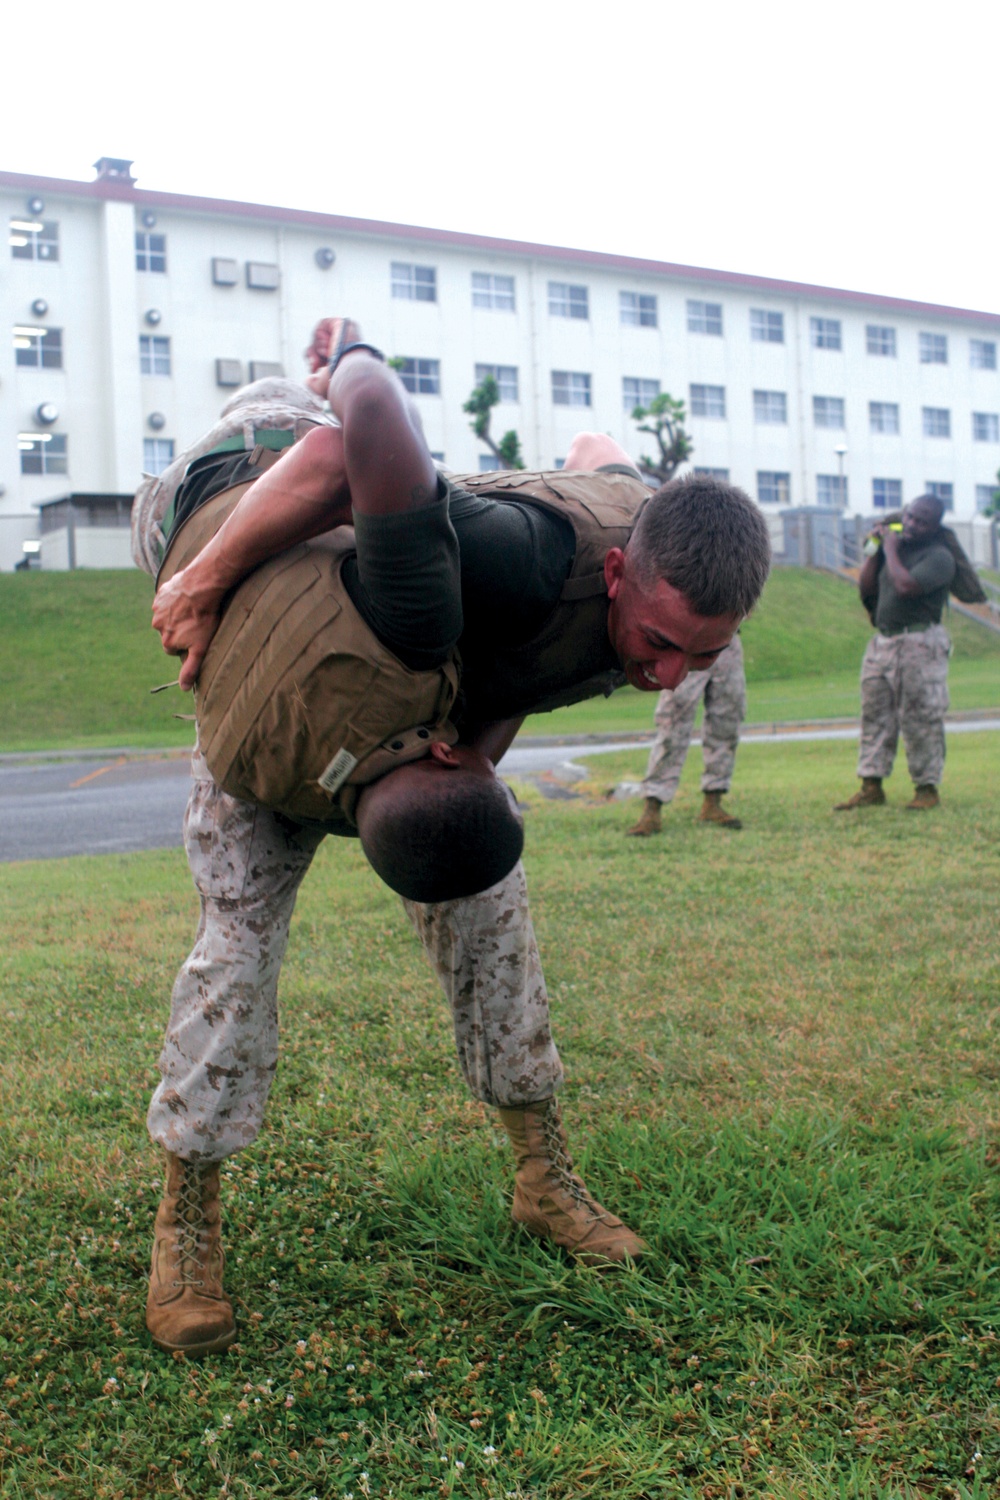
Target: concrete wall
[[14, 531]]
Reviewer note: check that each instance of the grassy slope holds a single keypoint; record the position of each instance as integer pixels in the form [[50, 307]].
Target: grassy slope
[[80, 658], [782, 1065]]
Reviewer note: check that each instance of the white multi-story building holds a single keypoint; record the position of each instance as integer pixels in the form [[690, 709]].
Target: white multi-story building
[[133, 314]]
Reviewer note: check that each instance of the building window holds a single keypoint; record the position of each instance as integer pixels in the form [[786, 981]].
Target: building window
[[933, 349], [228, 372], [150, 251], [708, 400], [225, 272], [941, 490], [638, 392], [505, 377], [824, 333], [937, 421], [40, 348], [985, 427], [42, 452], [721, 474], [982, 354], [489, 290], [770, 406], [154, 355], [157, 454], [985, 495], [704, 317], [559, 463], [414, 283], [266, 369], [828, 411], [773, 489], [570, 388], [879, 340], [262, 276], [887, 494], [637, 309], [883, 416], [489, 463], [32, 240], [767, 327], [567, 301], [831, 491], [421, 376]]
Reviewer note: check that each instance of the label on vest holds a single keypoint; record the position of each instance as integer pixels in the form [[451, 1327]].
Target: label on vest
[[337, 771]]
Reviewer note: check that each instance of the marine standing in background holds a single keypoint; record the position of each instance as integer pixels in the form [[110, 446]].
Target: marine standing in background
[[904, 584], [724, 688]]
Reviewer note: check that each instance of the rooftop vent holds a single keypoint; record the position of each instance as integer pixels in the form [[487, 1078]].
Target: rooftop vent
[[113, 169]]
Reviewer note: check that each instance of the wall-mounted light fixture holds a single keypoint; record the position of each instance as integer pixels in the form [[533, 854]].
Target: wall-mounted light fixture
[[325, 257], [46, 413], [39, 307], [153, 316], [157, 421]]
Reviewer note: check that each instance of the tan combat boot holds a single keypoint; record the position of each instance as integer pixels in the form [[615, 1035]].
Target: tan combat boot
[[869, 794], [712, 811], [550, 1200], [186, 1308], [649, 822], [924, 798]]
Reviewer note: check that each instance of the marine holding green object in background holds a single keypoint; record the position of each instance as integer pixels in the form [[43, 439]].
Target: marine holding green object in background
[[904, 584]]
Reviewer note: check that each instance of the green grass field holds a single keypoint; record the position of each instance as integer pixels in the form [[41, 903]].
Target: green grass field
[[783, 1057], [80, 658]]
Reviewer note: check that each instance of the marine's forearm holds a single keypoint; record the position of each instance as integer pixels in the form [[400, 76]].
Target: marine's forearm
[[304, 494]]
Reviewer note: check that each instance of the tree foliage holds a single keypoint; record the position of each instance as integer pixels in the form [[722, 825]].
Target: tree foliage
[[993, 507], [663, 419], [507, 449]]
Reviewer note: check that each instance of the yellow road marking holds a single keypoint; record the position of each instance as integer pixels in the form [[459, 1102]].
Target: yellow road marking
[[93, 775]]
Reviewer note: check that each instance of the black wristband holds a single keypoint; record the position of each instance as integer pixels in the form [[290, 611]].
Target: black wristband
[[347, 348]]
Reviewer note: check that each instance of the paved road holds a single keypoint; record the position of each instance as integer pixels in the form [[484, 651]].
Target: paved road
[[49, 809]]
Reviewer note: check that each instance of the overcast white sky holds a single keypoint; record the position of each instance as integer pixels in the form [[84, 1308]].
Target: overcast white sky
[[849, 144]]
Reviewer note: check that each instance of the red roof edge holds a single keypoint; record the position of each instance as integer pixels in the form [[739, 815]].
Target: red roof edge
[[339, 223]]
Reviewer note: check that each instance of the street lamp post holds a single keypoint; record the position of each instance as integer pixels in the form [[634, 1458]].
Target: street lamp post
[[841, 451]]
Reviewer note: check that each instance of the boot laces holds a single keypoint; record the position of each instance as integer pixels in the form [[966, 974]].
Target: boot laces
[[562, 1167], [190, 1225]]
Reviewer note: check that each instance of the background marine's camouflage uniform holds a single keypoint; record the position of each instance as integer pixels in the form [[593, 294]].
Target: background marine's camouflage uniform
[[221, 1049], [904, 685], [724, 688]]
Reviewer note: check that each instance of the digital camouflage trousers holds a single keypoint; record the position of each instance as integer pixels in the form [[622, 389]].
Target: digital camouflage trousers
[[904, 686], [220, 1053], [724, 689]]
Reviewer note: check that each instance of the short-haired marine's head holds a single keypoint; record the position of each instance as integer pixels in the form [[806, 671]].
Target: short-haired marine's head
[[708, 540], [441, 828]]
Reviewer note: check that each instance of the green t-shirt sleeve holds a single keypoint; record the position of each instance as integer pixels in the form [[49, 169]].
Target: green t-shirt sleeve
[[934, 570]]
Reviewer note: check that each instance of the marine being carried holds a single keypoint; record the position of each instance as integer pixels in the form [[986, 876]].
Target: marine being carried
[[366, 682]]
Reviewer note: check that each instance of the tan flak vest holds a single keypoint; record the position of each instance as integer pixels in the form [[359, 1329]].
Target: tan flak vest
[[299, 705]]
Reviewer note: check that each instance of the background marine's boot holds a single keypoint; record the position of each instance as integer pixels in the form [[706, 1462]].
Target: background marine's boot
[[924, 798], [712, 811], [869, 794], [186, 1308], [649, 822], [550, 1200]]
